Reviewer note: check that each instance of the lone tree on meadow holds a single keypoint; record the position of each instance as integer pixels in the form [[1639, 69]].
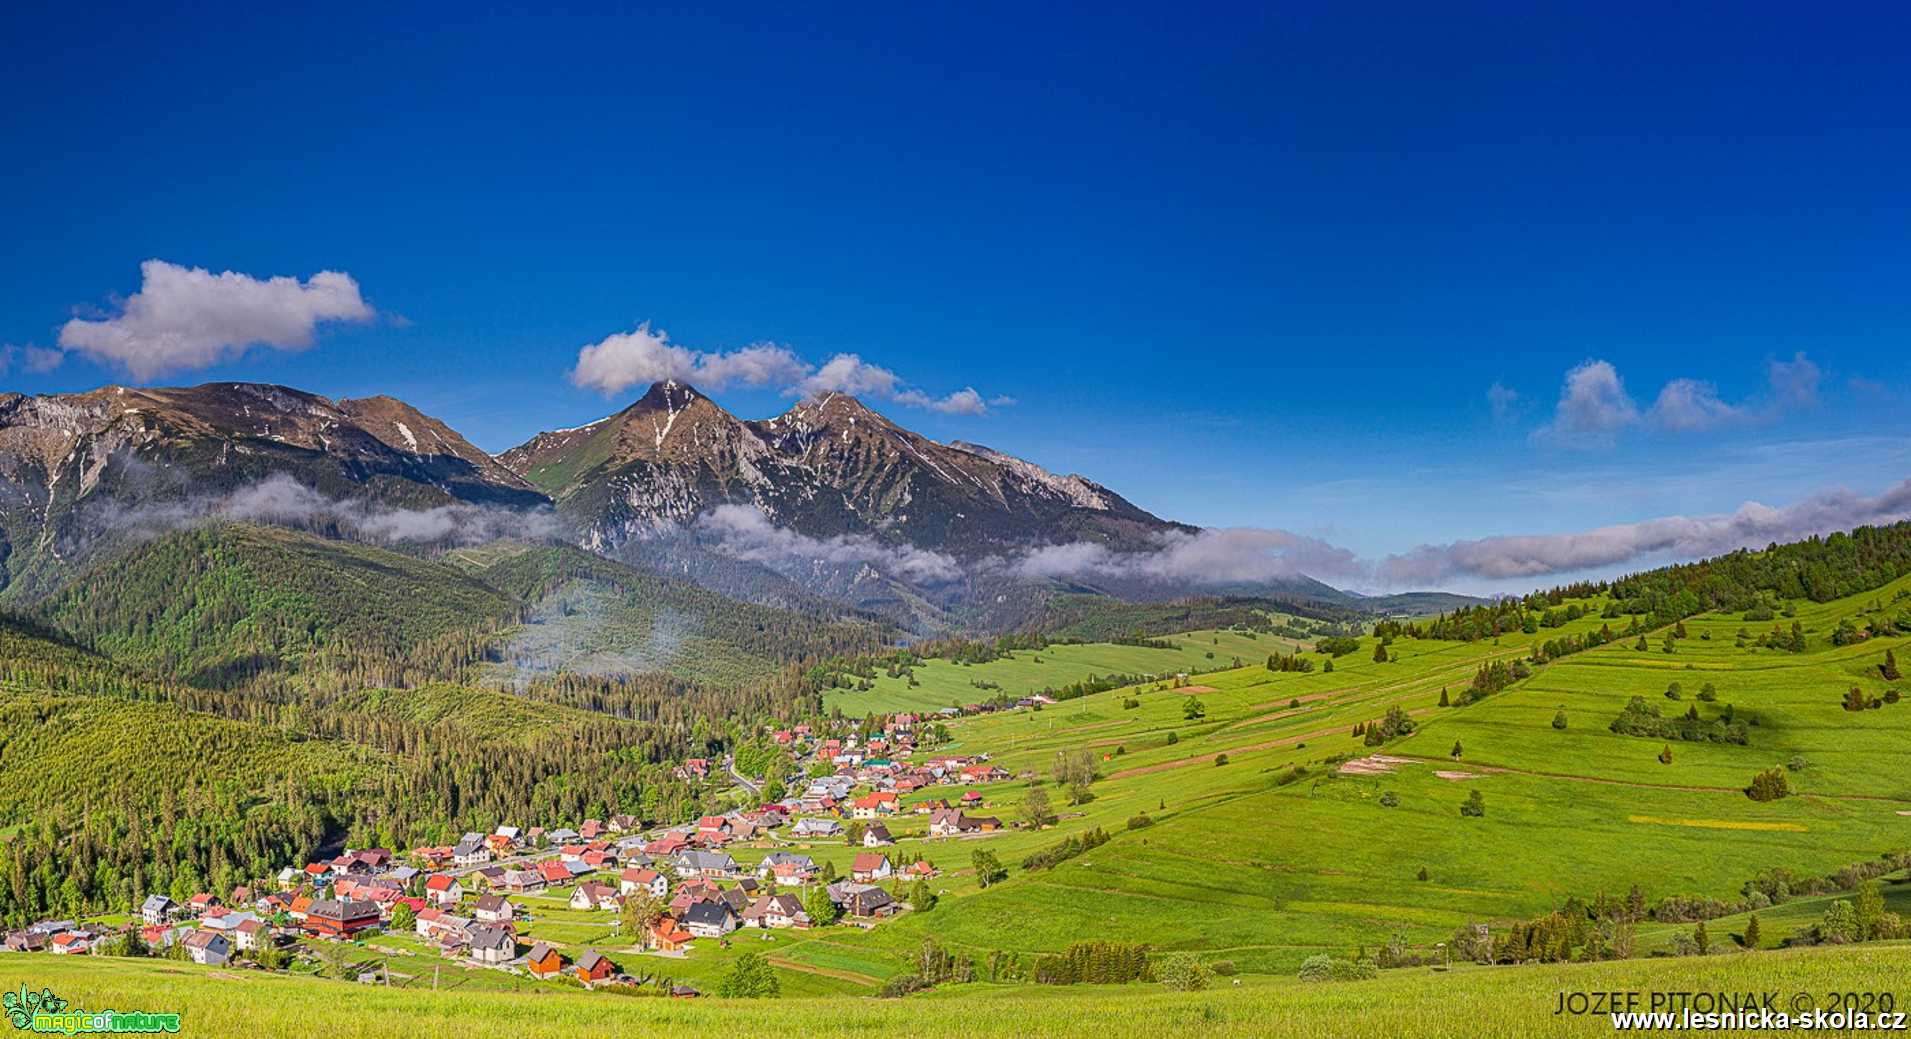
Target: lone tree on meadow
[[1889, 668], [1035, 808], [1380, 652], [1456, 750], [750, 977], [1193, 710], [1474, 806], [1750, 941]]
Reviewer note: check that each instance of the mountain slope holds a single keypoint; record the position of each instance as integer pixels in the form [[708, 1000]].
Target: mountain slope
[[828, 466], [585, 614], [216, 603], [82, 472]]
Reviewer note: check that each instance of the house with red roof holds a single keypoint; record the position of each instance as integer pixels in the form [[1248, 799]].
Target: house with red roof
[[444, 889]]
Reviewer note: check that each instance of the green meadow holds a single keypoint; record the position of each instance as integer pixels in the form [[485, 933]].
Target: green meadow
[[943, 683], [1465, 1003], [1250, 861], [1236, 835]]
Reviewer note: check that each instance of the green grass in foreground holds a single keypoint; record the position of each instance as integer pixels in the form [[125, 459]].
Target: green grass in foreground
[[1479, 1003]]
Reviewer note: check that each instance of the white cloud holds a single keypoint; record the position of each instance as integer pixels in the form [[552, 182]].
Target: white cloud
[[1593, 405], [35, 359], [1689, 405], [644, 356], [626, 359], [1794, 383], [964, 401], [1752, 525], [1503, 400], [189, 318], [744, 532], [849, 373], [1219, 556]]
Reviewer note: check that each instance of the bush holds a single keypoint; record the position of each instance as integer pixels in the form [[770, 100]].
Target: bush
[[1769, 785], [1355, 970], [1224, 968], [1220, 759], [1475, 805], [750, 977], [1389, 799], [1316, 968], [1140, 822], [1559, 720], [1182, 973], [902, 985]]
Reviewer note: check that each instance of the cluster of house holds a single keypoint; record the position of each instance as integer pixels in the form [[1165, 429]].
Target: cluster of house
[[458, 894]]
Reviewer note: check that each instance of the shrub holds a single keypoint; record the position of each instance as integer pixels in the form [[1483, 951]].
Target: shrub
[[1182, 973], [1316, 968], [1769, 785], [1140, 822], [1474, 806], [1220, 759], [750, 977], [1559, 720], [1355, 970], [1389, 799], [1224, 968]]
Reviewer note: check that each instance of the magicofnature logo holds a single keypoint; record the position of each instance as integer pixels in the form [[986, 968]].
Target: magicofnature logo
[[43, 1011]]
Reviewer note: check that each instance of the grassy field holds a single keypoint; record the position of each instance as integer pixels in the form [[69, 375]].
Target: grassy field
[[1245, 862], [1259, 850], [1479, 1003], [943, 683]]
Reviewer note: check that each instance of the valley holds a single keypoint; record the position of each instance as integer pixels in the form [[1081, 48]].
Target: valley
[[535, 732]]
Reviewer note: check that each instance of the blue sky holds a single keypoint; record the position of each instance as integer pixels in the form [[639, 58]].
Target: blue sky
[[1249, 267]]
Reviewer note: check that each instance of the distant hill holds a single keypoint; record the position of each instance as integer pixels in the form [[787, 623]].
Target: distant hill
[[221, 604]]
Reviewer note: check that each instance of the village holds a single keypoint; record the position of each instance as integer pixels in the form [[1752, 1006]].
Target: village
[[513, 899]]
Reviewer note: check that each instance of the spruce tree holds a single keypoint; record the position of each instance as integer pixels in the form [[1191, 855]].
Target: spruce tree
[[1751, 932]]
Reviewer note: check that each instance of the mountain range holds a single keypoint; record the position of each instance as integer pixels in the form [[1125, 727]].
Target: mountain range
[[827, 499]]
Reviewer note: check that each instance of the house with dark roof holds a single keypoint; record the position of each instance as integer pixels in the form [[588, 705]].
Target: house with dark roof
[[158, 909], [491, 943], [210, 948], [493, 909], [543, 961], [709, 919], [340, 918], [592, 967]]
